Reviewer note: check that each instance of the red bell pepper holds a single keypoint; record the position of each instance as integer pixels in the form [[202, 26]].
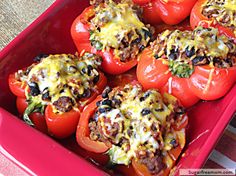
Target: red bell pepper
[[84, 140], [198, 18], [81, 32], [168, 11], [205, 82], [59, 125]]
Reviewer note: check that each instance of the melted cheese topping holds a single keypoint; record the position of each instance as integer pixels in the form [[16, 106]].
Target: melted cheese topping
[[185, 49], [208, 40], [115, 23], [135, 118], [62, 76], [124, 21], [224, 12]]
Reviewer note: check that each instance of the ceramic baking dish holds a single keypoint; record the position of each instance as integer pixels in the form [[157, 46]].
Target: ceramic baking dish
[[39, 154]]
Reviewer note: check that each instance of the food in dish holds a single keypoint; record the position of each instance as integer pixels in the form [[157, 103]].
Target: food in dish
[[191, 65], [52, 92], [114, 31], [215, 13], [169, 11], [133, 126]]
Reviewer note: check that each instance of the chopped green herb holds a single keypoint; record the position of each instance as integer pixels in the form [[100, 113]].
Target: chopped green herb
[[180, 69], [91, 32]]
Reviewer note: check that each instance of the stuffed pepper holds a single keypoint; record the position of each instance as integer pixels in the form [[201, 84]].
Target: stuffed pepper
[[169, 11], [136, 128], [216, 13], [114, 31], [191, 65], [52, 92]]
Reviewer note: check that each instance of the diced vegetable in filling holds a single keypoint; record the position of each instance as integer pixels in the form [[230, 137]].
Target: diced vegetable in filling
[[139, 125], [186, 49], [117, 26]]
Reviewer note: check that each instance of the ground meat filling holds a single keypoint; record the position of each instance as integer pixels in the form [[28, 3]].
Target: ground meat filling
[[186, 49], [63, 104], [61, 80], [117, 26], [222, 11], [138, 125], [154, 162], [96, 2]]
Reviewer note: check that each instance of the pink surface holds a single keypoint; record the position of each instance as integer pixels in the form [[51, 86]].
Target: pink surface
[[37, 153], [9, 168]]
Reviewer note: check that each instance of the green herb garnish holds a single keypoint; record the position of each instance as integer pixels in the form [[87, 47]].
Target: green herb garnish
[[182, 70]]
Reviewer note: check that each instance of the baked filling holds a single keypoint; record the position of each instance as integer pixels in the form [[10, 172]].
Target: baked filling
[[222, 11], [60, 80], [139, 125], [117, 26], [185, 49]]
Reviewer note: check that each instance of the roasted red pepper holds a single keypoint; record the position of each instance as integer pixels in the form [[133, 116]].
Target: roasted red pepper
[[37, 118], [210, 13], [17, 87], [168, 11], [115, 38], [37, 106], [203, 78], [94, 112], [82, 133], [150, 12]]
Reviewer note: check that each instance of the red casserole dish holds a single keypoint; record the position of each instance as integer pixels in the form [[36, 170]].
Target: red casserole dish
[[39, 154]]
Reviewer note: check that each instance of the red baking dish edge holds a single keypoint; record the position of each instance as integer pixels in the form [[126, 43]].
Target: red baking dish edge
[[228, 105], [38, 154]]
